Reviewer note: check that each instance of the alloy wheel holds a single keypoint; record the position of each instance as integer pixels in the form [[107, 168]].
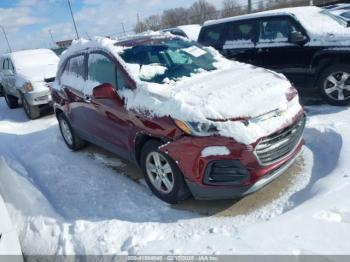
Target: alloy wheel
[[159, 172], [337, 86], [66, 131]]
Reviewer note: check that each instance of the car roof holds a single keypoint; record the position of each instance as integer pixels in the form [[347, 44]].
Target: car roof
[[144, 39], [270, 13]]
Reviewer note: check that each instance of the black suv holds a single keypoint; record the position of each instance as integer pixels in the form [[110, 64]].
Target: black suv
[[309, 45]]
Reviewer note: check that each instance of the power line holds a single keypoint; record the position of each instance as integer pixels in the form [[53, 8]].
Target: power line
[[75, 26], [7, 41]]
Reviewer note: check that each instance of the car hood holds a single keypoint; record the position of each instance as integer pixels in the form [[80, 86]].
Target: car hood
[[223, 97], [38, 74], [242, 91]]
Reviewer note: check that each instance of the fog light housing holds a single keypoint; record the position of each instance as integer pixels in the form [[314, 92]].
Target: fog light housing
[[226, 172]]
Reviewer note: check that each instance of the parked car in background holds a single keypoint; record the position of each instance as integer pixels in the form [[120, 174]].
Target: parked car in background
[[307, 44], [10, 249], [181, 112], [189, 31], [24, 79]]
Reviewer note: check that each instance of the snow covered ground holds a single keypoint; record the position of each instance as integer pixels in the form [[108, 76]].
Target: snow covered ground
[[64, 202]]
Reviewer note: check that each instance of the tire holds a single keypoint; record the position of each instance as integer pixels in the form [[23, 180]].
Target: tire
[[72, 140], [334, 85], [168, 186], [32, 112], [11, 101]]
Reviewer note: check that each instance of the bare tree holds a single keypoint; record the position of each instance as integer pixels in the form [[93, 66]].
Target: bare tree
[[174, 17], [231, 8], [153, 22], [140, 27], [202, 11]]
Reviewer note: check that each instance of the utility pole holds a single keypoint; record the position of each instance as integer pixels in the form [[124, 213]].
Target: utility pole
[[249, 6], [311, 2], [53, 41], [75, 26], [7, 41], [123, 29]]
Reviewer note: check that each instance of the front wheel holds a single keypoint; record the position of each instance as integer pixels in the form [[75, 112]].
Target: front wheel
[[162, 174], [32, 112], [11, 101], [72, 140], [334, 85]]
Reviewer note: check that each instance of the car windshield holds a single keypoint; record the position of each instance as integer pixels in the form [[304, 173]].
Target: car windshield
[[168, 60]]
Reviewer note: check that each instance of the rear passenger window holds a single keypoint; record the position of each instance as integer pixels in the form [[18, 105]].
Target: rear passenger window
[[76, 65], [241, 35], [73, 74], [102, 70], [6, 64], [212, 35], [276, 30]]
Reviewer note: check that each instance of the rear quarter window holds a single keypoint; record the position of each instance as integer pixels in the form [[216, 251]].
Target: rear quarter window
[[213, 35]]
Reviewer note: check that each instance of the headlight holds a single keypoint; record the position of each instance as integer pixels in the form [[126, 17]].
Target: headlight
[[196, 128], [28, 87]]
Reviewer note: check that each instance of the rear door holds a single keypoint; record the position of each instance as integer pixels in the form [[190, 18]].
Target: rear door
[[240, 40], [109, 123], [73, 80]]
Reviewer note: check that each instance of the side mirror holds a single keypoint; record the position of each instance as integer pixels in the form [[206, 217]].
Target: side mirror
[[298, 38], [106, 91]]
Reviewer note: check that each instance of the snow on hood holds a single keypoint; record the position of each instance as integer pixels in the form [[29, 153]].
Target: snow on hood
[[39, 73], [35, 65]]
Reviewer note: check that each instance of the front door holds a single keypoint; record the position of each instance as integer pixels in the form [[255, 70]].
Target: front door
[[275, 52], [109, 123]]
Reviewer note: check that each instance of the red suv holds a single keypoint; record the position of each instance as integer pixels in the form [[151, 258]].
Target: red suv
[[195, 122]]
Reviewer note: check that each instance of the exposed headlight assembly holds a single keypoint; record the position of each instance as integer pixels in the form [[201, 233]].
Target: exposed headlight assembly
[[196, 128], [28, 87]]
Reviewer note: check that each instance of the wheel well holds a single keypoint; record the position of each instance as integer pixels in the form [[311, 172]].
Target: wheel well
[[58, 112], [140, 141]]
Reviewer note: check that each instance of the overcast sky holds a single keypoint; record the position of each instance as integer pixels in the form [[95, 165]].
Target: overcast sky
[[27, 22]]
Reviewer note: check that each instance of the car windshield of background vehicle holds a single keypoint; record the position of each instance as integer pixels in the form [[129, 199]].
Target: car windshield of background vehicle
[[342, 21], [168, 61]]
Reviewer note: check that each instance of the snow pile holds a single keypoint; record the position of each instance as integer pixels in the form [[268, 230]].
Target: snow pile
[[192, 31], [215, 151], [64, 202]]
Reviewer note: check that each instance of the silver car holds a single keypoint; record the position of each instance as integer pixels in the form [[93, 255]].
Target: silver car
[[25, 77]]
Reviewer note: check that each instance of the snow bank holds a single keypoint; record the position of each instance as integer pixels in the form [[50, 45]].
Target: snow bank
[[76, 205]]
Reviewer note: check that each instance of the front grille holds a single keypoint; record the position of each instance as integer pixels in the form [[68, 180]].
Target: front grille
[[280, 144]]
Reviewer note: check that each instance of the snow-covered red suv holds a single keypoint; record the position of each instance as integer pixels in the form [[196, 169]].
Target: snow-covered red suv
[[195, 122]]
